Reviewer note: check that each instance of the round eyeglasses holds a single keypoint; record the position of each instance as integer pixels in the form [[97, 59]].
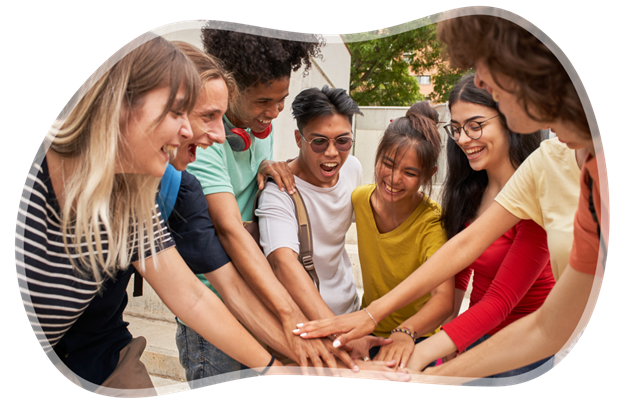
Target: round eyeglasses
[[320, 144], [474, 130]]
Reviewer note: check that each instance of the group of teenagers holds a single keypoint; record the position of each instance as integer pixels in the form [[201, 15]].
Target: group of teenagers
[[522, 215]]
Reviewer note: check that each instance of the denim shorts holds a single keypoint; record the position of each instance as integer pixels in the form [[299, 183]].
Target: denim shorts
[[204, 363]]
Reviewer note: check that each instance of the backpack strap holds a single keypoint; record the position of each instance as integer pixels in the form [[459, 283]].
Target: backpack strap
[[166, 198], [304, 232], [305, 238], [168, 193]]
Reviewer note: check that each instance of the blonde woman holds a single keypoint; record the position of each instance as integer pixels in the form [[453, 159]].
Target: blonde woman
[[88, 211]]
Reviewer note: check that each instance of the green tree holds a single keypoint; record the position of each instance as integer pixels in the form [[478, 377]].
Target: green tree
[[381, 62]]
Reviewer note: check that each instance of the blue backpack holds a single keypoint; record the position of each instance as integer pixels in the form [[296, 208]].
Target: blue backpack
[[166, 198], [168, 193]]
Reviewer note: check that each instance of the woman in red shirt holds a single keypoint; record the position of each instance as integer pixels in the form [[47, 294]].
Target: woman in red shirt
[[513, 276]]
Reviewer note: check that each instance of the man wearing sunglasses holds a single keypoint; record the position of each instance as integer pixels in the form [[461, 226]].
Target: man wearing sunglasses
[[325, 175]]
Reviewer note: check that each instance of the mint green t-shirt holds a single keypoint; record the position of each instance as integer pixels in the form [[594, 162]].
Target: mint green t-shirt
[[219, 169]]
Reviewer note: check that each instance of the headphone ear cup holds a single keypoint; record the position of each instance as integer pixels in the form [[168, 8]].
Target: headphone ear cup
[[263, 134], [238, 139]]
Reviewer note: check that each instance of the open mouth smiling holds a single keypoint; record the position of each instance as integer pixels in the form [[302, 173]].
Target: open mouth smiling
[[192, 149], [264, 123], [390, 189], [170, 151], [329, 168], [474, 152]]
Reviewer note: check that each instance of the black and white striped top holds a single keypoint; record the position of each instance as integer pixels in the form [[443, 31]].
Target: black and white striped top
[[54, 294]]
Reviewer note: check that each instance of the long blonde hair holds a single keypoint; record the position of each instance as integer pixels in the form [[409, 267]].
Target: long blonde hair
[[100, 206]]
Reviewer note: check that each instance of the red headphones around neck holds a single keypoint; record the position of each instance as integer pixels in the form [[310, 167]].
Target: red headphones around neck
[[239, 139]]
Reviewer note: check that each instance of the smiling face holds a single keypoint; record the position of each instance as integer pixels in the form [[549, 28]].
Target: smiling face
[[321, 169], [491, 150], [147, 147], [260, 104], [206, 122], [399, 175]]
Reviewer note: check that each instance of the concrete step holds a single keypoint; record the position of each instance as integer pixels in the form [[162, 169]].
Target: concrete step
[[161, 354]]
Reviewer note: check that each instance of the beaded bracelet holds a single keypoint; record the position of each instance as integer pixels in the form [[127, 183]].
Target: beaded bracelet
[[406, 331]]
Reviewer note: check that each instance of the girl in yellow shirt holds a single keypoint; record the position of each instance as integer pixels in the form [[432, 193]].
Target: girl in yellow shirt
[[399, 227]]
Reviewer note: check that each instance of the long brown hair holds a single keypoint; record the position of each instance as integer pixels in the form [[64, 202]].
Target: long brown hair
[[101, 206], [464, 187]]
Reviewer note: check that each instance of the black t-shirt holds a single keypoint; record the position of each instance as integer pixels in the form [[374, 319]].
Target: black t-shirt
[[85, 328], [192, 229]]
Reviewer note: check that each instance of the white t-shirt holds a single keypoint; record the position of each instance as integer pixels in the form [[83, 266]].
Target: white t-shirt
[[330, 213]]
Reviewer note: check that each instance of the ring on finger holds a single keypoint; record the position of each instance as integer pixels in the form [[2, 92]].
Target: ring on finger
[[366, 359]]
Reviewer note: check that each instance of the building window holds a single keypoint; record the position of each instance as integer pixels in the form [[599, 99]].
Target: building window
[[423, 80], [408, 57]]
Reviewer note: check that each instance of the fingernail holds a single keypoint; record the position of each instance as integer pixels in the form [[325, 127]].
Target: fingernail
[[302, 334], [356, 368], [299, 324], [336, 343], [296, 330]]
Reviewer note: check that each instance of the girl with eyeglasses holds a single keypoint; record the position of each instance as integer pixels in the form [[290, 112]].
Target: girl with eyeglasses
[[399, 227], [512, 277], [558, 186]]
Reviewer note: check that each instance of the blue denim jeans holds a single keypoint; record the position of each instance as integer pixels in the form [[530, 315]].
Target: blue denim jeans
[[204, 363], [517, 371]]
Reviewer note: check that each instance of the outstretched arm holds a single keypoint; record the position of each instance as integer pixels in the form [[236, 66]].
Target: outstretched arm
[[524, 264], [532, 338], [455, 255], [255, 269], [198, 306], [298, 283], [248, 308], [439, 307], [247, 256]]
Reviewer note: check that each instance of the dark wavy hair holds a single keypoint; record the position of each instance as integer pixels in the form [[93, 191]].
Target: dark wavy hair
[[261, 58], [311, 103], [463, 186], [416, 129], [510, 50]]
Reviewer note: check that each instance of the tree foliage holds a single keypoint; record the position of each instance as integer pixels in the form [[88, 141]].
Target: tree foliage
[[381, 63]]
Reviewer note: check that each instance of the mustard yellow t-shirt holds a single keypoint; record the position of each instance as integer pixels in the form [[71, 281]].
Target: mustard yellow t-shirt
[[387, 259], [546, 189]]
